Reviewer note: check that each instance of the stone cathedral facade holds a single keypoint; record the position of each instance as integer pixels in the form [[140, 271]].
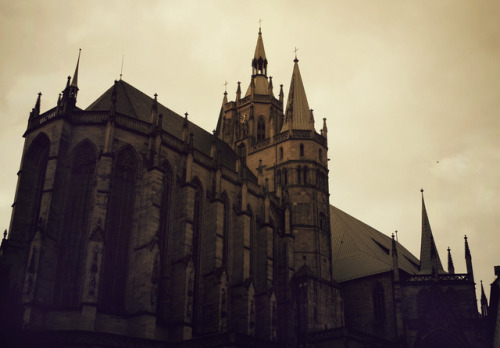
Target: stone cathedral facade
[[132, 226]]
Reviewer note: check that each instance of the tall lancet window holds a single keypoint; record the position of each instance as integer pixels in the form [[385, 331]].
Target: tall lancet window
[[197, 222], [225, 231], [378, 302], [165, 216], [118, 228], [29, 194], [76, 222], [261, 129]]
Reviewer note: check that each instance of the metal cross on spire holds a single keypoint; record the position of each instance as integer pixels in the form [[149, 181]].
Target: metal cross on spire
[[295, 51], [225, 86], [260, 24]]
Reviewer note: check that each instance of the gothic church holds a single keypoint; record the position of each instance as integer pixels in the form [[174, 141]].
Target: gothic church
[[132, 226]]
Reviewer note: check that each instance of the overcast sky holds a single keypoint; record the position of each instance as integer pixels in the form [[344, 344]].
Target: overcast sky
[[410, 90]]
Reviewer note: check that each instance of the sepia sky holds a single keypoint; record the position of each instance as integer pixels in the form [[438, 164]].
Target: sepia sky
[[410, 90]]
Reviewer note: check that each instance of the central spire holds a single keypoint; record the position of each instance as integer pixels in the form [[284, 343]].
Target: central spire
[[259, 62], [429, 256]]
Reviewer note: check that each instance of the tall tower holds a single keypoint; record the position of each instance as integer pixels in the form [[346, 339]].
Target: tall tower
[[290, 160]]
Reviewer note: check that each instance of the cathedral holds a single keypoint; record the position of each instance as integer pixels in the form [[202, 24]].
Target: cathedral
[[133, 227]]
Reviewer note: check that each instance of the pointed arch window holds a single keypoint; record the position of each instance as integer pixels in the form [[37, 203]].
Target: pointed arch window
[[76, 223], [378, 302], [285, 177], [299, 175], [278, 177], [261, 129], [253, 232], [164, 231], [323, 222], [29, 194], [197, 221], [119, 225], [304, 175], [301, 148], [281, 152], [242, 152], [223, 237]]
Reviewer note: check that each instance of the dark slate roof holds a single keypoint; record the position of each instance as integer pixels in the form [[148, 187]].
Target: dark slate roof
[[133, 103], [359, 250]]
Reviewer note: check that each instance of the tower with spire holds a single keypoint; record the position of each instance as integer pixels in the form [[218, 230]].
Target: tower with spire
[[290, 159]]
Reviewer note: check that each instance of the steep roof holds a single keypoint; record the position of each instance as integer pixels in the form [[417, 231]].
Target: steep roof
[[297, 114], [133, 103], [359, 250], [259, 49]]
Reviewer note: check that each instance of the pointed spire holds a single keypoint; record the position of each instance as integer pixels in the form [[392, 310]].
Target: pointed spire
[[451, 268], [428, 250], [484, 302], [35, 112], [297, 114], [154, 110], [468, 259], [467, 250], [259, 62], [238, 93], [74, 83], [324, 130], [38, 102], [218, 132], [270, 86]]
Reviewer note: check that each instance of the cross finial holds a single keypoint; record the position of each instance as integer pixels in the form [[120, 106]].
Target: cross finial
[[156, 96], [295, 51], [186, 114], [225, 86], [121, 70], [260, 25]]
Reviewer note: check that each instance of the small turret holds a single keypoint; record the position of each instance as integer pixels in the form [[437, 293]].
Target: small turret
[[154, 110], [484, 302], [451, 268], [324, 130], [68, 100], [238, 93], [468, 259], [35, 112], [270, 86], [185, 128]]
